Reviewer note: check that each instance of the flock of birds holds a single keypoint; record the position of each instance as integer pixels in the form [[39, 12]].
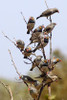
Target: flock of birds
[[40, 36]]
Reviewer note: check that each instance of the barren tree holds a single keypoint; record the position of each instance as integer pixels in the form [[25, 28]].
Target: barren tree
[[40, 37]]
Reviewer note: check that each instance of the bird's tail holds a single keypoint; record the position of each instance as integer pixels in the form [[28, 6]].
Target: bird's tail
[[28, 32], [31, 69], [38, 17], [34, 50]]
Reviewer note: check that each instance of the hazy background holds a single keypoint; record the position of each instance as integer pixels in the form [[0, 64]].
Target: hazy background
[[12, 23]]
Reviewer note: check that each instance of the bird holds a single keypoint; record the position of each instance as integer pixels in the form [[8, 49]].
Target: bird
[[36, 62], [51, 78], [48, 78], [37, 85], [36, 33], [30, 24], [27, 79], [48, 29], [48, 12], [20, 44], [44, 65], [43, 41], [54, 61], [27, 52], [33, 92]]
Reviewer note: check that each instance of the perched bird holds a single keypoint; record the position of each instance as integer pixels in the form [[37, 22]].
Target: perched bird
[[27, 52], [48, 12], [48, 78], [20, 44], [36, 62], [43, 41], [27, 79], [33, 92], [48, 29], [30, 24], [42, 76], [44, 65], [51, 78], [54, 61], [37, 85], [36, 33]]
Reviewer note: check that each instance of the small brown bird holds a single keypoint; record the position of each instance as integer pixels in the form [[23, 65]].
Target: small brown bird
[[36, 33], [44, 65], [27, 52], [49, 28], [30, 24], [20, 44], [33, 92], [54, 61], [51, 78], [37, 85], [48, 12], [27, 79], [42, 43], [36, 62]]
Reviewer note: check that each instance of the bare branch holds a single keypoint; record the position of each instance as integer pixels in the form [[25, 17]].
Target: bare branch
[[7, 87], [13, 62], [8, 38], [46, 4], [24, 18], [41, 89], [15, 66]]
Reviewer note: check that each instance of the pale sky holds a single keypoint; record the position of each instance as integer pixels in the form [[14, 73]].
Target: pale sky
[[12, 23]]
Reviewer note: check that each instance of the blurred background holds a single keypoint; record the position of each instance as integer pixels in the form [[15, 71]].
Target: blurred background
[[13, 25]]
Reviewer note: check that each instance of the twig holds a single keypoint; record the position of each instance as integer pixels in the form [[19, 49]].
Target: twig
[[7, 87], [13, 63], [49, 88], [41, 89], [8, 38], [24, 18], [46, 4], [11, 40], [15, 66]]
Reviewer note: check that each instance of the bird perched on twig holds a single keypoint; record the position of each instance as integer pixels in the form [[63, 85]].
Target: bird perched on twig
[[51, 78], [44, 65], [48, 12], [20, 44], [48, 78], [37, 85], [54, 61], [33, 92], [48, 29], [27, 52], [36, 33], [27, 79], [43, 41], [36, 62], [30, 24]]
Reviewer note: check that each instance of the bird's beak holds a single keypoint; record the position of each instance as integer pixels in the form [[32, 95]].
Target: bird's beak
[[19, 77]]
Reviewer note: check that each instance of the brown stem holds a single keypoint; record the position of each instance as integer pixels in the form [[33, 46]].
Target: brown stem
[[15, 66], [7, 87]]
